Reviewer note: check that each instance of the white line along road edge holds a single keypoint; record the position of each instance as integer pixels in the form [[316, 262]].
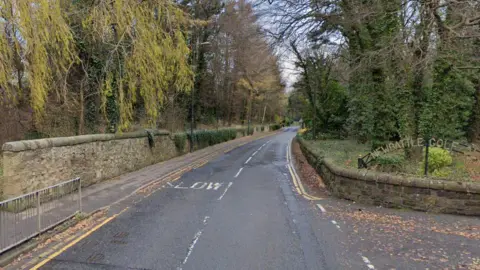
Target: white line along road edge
[[321, 208], [367, 262]]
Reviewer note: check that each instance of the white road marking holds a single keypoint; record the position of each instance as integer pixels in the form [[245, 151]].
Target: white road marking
[[225, 192], [215, 186], [336, 225], [168, 183], [179, 186], [194, 242], [368, 263], [254, 153], [203, 185], [321, 208], [250, 158], [192, 245], [238, 173]]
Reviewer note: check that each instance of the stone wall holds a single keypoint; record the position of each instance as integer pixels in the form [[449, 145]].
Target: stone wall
[[396, 191], [35, 164]]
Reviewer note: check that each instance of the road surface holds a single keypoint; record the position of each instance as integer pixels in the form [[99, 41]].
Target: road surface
[[242, 211]]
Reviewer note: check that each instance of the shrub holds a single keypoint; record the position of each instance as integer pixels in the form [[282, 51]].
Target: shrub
[[180, 140], [275, 127], [204, 138], [438, 158], [442, 173], [389, 160], [243, 131], [262, 128]]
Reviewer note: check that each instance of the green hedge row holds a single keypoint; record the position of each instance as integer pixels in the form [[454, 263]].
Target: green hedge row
[[204, 138]]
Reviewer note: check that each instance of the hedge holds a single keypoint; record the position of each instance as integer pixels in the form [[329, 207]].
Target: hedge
[[275, 127], [204, 138]]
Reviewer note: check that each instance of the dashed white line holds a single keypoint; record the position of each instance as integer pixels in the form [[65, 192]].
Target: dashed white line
[[205, 220], [321, 208], [250, 158], [238, 173], [336, 224], [368, 263], [254, 153], [194, 242], [192, 245], [225, 192]]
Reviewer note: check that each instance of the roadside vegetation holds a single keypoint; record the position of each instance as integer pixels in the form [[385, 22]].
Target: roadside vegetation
[[79, 67], [374, 73], [443, 164]]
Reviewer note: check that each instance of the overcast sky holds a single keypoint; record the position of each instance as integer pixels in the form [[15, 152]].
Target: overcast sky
[[287, 59]]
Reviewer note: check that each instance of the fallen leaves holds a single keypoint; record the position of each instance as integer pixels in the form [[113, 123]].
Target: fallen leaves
[[57, 238], [307, 173]]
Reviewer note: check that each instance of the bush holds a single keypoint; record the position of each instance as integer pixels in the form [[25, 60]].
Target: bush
[[275, 127], [438, 158], [262, 128], [205, 138], [389, 163], [442, 173], [389, 160], [243, 131], [180, 140]]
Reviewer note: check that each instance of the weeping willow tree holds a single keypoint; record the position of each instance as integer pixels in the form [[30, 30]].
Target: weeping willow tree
[[147, 54], [36, 51]]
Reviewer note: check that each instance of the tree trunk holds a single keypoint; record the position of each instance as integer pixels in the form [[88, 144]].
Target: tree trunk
[[81, 121]]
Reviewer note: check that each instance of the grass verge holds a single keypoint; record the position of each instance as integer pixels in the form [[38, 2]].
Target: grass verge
[[464, 166]]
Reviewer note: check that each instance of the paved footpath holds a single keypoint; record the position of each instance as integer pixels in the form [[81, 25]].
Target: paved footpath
[[238, 211]]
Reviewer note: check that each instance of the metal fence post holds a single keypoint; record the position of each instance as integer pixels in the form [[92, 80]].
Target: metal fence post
[[39, 219], [80, 195]]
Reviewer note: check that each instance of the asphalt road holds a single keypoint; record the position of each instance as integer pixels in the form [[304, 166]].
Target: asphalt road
[[240, 211]]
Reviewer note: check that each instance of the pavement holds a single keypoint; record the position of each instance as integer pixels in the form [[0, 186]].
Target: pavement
[[243, 209]]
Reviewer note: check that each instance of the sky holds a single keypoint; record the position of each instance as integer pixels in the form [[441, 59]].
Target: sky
[[287, 59]]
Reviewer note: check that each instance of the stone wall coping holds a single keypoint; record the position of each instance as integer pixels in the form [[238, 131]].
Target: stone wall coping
[[20, 146], [398, 180]]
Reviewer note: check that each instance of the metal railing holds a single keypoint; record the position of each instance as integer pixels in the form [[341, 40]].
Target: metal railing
[[26, 216]]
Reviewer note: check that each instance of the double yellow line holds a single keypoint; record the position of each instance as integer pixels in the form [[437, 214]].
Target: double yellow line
[[175, 175], [80, 238], [296, 180]]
